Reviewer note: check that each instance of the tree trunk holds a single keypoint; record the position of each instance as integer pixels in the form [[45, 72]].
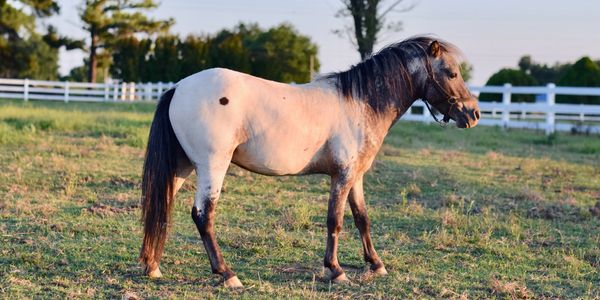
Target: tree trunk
[[93, 57], [366, 24]]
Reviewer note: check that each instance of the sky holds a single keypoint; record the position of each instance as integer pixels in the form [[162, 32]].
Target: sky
[[492, 34]]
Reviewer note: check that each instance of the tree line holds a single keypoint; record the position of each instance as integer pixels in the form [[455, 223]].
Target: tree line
[[124, 43], [118, 28], [585, 72], [279, 53]]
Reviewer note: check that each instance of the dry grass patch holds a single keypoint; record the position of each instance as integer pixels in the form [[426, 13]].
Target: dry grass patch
[[512, 289]]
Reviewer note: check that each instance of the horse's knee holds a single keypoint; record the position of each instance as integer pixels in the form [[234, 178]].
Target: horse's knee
[[203, 215], [334, 225], [201, 220], [197, 215]]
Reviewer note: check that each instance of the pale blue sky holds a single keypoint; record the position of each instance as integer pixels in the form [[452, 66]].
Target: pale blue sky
[[492, 34]]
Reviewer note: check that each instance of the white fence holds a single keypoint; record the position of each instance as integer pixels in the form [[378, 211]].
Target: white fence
[[26, 89], [547, 116]]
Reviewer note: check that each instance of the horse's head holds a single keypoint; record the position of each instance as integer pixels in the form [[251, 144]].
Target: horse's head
[[446, 90]]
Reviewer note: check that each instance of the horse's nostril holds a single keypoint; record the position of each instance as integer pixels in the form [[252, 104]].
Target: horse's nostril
[[477, 114]]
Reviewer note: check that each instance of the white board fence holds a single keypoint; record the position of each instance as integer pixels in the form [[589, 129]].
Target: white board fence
[[548, 115], [66, 91]]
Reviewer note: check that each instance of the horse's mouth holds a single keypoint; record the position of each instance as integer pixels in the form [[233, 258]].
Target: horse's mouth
[[462, 122]]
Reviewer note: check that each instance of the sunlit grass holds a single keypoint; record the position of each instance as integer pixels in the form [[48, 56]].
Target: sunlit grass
[[478, 213]]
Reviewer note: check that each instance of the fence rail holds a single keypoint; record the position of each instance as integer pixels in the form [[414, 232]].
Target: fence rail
[[26, 90], [548, 115]]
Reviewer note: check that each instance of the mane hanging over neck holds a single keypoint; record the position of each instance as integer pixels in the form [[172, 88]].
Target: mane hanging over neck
[[384, 79]]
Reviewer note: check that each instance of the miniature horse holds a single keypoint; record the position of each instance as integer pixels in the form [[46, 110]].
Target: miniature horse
[[333, 125]]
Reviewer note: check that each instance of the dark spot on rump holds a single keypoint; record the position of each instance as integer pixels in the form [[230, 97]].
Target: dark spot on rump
[[283, 98], [224, 101]]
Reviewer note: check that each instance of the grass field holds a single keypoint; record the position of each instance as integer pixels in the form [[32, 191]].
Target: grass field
[[478, 213]]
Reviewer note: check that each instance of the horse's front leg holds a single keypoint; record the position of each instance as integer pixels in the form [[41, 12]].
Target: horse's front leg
[[340, 187], [361, 220]]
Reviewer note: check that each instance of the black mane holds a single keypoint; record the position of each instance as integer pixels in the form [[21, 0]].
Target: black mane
[[384, 79]]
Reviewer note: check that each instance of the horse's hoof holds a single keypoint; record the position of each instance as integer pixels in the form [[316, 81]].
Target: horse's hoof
[[233, 283], [380, 271], [342, 278], [155, 273]]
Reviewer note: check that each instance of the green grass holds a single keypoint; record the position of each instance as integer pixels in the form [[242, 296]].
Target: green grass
[[480, 213]]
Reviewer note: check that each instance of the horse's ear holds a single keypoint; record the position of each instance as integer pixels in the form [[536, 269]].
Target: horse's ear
[[435, 49]]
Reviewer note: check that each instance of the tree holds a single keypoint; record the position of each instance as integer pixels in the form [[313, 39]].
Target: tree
[[229, 49], [514, 77], [23, 51], [108, 21], [542, 73], [465, 70], [129, 59], [280, 54], [194, 52], [164, 62], [584, 72], [369, 20]]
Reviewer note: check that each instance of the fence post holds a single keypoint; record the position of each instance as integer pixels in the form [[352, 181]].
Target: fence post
[[106, 91], [550, 100], [148, 86], [115, 91], [131, 91], [26, 89], [506, 95], [160, 89], [123, 91], [66, 92]]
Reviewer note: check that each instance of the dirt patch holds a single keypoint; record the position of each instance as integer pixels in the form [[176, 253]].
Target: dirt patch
[[107, 210], [527, 194], [123, 182], [555, 212]]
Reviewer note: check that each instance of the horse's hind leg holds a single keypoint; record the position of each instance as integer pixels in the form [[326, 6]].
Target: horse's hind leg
[[361, 220], [183, 171], [211, 172]]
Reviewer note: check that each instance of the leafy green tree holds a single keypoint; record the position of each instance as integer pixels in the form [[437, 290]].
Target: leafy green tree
[[129, 59], [194, 51], [108, 21], [514, 77], [23, 51], [228, 49], [466, 69], [543, 73], [586, 73], [164, 62], [369, 21], [280, 54]]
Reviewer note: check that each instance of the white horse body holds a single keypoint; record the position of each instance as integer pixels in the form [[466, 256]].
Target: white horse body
[[267, 127]]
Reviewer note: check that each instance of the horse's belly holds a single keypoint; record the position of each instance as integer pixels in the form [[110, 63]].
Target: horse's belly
[[284, 157]]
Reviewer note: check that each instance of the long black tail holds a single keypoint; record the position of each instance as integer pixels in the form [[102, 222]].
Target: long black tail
[[158, 182]]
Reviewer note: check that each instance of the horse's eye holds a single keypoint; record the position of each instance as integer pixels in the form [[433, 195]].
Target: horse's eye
[[453, 75]]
